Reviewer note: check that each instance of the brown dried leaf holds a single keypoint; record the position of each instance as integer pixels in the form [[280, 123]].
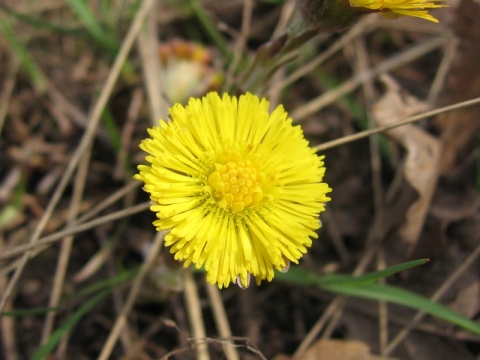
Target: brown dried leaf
[[338, 349], [467, 301], [423, 152]]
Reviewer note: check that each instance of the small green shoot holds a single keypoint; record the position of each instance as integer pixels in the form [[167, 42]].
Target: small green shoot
[[30, 66], [366, 286], [83, 12], [102, 289]]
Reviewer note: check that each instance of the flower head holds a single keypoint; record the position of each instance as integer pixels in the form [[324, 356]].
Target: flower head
[[239, 189], [395, 8]]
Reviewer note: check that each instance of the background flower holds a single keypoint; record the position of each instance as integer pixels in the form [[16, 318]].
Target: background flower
[[239, 188]]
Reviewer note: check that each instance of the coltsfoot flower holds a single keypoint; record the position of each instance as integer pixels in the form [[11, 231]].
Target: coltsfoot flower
[[239, 189]]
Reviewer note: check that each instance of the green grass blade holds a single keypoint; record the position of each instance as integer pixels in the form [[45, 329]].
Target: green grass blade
[[301, 276], [370, 277], [36, 22], [29, 65], [58, 334], [112, 282], [112, 129], [80, 8], [365, 287], [102, 289], [406, 298], [210, 28]]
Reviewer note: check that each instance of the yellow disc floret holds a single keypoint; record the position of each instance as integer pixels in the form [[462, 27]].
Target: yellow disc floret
[[237, 184]]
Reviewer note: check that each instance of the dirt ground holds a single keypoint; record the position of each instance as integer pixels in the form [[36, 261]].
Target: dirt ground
[[80, 82]]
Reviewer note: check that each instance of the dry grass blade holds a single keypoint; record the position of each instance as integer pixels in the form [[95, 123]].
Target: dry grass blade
[[148, 46], [194, 309], [221, 320], [7, 90], [403, 58], [49, 239], [67, 244], [367, 133], [132, 295], [365, 25]]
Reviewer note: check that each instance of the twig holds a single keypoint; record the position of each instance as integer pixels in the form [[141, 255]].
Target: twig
[[122, 318], [47, 240], [152, 71], [337, 302], [67, 244], [350, 85], [221, 320], [362, 27], [412, 119], [194, 310], [7, 323], [442, 72], [241, 42]]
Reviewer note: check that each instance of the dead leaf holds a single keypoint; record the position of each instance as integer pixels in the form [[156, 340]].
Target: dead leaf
[[423, 152], [335, 349], [467, 301]]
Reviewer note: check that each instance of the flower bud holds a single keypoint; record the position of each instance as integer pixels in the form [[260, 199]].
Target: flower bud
[[330, 15]]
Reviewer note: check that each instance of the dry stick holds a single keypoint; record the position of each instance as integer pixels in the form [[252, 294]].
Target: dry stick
[[286, 14], [85, 142], [350, 85], [133, 112], [442, 72], [132, 295], [7, 323], [8, 86], [334, 319], [435, 297], [240, 43], [337, 302], [194, 309], [412, 119], [67, 243], [47, 240], [364, 25], [221, 320], [382, 307], [127, 189], [336, 237], [152, 69], [376, 165]]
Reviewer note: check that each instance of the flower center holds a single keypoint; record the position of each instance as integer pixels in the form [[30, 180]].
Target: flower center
[[237, 184]]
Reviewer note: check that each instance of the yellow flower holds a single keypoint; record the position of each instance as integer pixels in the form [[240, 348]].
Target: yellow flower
[[239, 188], [395, 8]]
